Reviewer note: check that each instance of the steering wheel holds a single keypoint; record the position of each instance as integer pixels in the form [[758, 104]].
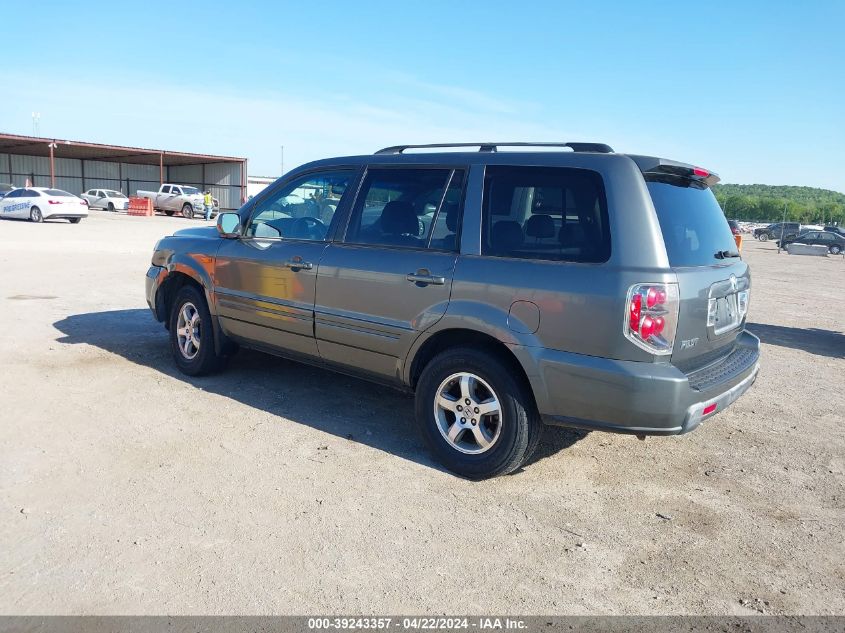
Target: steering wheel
[[308, 228]]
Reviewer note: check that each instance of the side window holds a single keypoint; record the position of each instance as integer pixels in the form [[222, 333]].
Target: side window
[[176, 191], [301, 210], [399, 207], [165, 189], [17, 193], [551, 213]]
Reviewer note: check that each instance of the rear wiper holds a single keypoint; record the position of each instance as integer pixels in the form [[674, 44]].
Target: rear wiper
[[725, 254]]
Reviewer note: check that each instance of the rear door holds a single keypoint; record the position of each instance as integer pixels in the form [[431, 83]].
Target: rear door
[[713, 280], [264, 282], [390, 277]]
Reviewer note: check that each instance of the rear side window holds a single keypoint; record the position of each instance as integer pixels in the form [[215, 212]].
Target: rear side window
[[550, 213], [695, 230], [408, 207]]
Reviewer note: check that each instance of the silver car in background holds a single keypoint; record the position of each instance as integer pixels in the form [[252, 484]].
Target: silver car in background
[[106, 199]]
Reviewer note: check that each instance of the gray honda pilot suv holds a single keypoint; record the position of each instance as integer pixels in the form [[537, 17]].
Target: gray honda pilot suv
[[507, 289]]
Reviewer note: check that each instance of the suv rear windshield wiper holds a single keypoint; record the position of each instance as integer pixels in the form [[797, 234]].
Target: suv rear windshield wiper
[[725, 254]]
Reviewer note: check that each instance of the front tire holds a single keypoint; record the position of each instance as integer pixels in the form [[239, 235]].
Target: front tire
[[111, 207], [35, 215], [835, 249], [764, 237], [477, 419], [191, 334], [188, 211], [75, 220]]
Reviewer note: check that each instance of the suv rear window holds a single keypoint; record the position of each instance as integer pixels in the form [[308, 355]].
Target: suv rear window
[[551, 213], [694, 228]]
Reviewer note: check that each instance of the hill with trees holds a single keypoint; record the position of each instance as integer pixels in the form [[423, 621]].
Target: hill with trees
[[765, 203]]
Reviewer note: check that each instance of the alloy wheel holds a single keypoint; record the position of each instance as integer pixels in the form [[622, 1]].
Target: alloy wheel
[[468, 413], [188, 331]]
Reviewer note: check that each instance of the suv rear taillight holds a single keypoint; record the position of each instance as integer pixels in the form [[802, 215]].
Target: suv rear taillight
[[651, 317]]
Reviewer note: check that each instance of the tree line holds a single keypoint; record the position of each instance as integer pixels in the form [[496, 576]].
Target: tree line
[[766, 203]]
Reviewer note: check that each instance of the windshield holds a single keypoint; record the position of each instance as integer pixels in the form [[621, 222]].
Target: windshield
[[114, 194], [694, 228], [190, 191]]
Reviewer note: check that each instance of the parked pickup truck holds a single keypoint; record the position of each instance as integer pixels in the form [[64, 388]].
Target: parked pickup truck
[[183, 198]]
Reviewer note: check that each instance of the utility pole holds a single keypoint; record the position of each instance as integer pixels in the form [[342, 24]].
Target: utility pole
[[36, 123], [282, 147], [782, 228]]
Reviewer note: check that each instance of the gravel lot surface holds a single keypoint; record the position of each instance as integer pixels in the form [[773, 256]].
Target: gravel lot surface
[[127, 488]]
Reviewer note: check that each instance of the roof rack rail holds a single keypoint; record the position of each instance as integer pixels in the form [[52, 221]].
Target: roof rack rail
[[494, 147]]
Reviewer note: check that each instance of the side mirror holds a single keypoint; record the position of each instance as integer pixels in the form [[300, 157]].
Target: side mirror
[[229, 225]]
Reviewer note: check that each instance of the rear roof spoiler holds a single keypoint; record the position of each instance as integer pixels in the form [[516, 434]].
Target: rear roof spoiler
[[666, 167]]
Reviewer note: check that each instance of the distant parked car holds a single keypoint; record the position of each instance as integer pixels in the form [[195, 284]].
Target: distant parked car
[[106, 199], [777, 230], [5, 188], [41, 203], [183, 198], [835, 243], [835, 229], [734, 227]]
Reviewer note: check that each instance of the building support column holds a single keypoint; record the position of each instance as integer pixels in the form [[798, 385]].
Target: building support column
[[161, 168], [243, 182], [52, 166]]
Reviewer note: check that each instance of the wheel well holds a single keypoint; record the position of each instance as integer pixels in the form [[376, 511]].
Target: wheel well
[[466, 338], [168, 291]]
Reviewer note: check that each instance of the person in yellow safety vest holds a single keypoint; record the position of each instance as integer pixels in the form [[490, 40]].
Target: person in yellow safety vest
[[208, 200]]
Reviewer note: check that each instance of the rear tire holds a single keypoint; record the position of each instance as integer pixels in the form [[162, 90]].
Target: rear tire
[[192, 334], [465, 439], [75, 220], [35, 215], [764, 237], [188, 211], [169, 212]]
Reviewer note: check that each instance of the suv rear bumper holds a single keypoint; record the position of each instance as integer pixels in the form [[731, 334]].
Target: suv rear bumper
[[636, 397]]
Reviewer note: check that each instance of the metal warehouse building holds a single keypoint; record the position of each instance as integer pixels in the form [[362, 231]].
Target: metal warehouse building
[[77, 166]]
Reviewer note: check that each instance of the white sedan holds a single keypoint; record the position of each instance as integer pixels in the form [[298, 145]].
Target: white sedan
[[106, 199], [41, 203]]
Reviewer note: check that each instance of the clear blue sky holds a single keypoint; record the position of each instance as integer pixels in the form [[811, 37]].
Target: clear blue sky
[[752, 90]]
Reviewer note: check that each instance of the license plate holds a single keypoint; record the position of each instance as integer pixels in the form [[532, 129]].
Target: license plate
[[726, 314]]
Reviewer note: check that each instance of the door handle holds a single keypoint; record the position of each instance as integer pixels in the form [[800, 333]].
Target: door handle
[[425, 277], [298, 264]]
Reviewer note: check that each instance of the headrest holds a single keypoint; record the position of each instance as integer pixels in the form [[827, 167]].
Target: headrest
[[507, 235], [398, 218], [540, 226]]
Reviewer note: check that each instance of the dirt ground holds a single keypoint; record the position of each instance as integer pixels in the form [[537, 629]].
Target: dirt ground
[[127, 488]]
